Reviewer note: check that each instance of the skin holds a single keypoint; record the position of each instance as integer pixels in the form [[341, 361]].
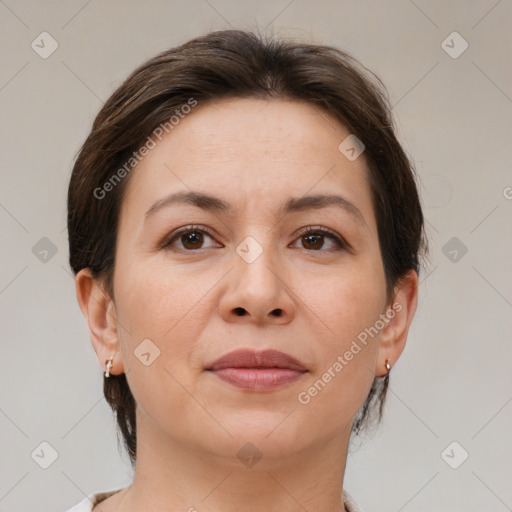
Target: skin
[[254, 154]]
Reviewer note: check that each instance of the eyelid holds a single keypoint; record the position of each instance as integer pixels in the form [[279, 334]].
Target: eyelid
[[339, 240], [185, 229]]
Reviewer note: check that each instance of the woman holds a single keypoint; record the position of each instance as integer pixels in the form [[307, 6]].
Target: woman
[[246, 232]]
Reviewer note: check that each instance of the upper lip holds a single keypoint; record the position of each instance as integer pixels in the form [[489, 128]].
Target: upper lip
[[245, 358]]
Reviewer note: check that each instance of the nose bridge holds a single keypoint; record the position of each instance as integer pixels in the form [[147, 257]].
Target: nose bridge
[[257, 292], [256, 264]]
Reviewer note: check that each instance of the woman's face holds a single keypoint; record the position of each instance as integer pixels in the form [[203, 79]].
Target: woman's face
[[248, 276]]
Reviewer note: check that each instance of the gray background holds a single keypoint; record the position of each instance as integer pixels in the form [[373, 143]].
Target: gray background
[[453, 382]]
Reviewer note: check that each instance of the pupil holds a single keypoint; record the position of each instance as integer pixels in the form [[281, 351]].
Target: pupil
[[193, 238], [314, 238]]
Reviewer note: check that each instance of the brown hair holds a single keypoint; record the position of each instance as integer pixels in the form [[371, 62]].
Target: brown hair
[[234, 63]]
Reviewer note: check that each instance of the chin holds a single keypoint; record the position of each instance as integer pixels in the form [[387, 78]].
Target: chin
[[273, 433]]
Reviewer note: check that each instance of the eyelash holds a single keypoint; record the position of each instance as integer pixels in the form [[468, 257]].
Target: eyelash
[[317, 230]]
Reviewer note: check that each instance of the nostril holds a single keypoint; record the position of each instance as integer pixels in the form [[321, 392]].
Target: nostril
[[240, 311], [277, 312]]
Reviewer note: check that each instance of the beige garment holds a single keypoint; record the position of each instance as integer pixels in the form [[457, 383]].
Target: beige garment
[[88, 503]]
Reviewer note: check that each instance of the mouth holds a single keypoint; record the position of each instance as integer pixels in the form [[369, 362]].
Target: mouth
[[258, 371]]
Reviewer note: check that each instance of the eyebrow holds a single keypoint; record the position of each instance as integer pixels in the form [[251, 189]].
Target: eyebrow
[[291, 205]]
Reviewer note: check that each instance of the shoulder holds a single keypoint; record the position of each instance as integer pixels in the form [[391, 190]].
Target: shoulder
[[350, 503], [89, 502]]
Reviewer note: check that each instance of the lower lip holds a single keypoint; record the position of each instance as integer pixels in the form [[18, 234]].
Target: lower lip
[[258, 379]]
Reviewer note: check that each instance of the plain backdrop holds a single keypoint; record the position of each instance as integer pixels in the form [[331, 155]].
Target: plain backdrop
[[444, 443]]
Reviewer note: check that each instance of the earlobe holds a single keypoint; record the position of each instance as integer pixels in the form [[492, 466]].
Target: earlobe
[[400, 313], [98, 309]]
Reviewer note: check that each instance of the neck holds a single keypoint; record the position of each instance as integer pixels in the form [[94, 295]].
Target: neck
[[171, 472]]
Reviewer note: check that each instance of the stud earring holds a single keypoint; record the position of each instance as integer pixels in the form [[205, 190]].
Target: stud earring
[[109, 363], [387, 365]]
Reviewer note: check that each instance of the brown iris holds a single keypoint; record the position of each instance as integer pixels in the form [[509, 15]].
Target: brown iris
[[194, 239], [315, 240]]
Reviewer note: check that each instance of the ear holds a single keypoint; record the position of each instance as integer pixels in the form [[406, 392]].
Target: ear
[[400, 313], [99, 310]]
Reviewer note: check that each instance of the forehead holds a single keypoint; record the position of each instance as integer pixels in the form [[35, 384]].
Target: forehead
[[249, 126], [249, 148]]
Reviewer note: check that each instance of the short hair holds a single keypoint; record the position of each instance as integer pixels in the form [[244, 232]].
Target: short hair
[[240, 64]]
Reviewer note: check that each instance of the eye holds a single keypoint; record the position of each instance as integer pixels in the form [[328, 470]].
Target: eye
[[313, 238], [191, 238]]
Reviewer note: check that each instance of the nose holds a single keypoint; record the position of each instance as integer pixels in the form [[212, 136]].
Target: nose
[[258, 292]]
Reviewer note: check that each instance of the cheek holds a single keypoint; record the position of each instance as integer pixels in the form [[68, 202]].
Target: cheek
[[147, 293], [163, 305], [163, 316], [345, 302], [345, 353], [345, 308]]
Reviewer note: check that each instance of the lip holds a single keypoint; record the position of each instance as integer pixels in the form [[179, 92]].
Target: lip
[[257, 370]]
